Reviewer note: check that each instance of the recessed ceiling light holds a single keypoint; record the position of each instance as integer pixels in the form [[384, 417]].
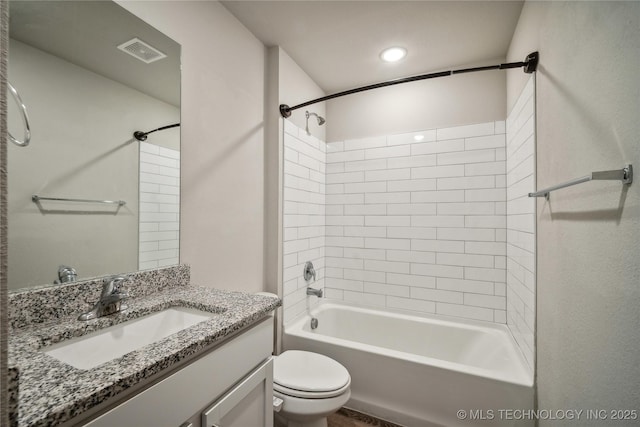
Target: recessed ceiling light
[[418, 137], [393, 54]]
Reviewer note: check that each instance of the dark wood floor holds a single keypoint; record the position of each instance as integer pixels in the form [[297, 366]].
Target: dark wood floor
[[350, 418]]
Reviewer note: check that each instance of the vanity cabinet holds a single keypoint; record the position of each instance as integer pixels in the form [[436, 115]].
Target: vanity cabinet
[[231, 385], [247, 404]]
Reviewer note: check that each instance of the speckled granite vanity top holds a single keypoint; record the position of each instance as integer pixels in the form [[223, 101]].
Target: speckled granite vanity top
[[51, 392]]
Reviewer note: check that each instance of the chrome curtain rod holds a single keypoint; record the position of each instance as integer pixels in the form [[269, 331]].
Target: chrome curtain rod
[[142, 136], [625, 175], [530, 64]]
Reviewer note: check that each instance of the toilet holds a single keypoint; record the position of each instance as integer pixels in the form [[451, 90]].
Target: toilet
[[312, 386]]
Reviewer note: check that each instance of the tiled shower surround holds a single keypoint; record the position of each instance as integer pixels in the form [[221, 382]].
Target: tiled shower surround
[[414, 221], [521, 242], [417, 221], [159, 206], [304, 216]]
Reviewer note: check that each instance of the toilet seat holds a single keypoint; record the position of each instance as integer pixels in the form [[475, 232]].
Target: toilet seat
[[310, 394], [309, 375]]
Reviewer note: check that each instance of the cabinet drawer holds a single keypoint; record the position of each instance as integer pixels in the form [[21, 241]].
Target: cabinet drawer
[[187, 391]]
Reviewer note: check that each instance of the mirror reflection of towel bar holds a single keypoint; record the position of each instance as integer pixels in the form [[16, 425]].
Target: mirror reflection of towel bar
[[25, 119], [36, 199]]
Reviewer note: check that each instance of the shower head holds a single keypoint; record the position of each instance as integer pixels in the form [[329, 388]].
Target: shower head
[[320, 119]]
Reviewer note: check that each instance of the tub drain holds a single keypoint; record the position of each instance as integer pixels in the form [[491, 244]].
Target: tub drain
[[314, 323]]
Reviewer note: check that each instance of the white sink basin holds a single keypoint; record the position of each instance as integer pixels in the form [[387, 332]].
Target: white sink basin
[[98, 347]]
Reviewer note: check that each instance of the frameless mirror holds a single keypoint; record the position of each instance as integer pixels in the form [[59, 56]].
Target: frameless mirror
[[91, 74]]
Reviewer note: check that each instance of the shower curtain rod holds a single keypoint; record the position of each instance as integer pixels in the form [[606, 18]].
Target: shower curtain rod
[[530, 64], [142, 136]]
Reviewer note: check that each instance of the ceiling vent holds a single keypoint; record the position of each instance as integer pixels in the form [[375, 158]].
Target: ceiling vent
[[141, 50]]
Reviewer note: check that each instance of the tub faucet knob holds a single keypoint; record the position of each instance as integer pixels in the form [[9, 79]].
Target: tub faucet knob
[[309, 272]]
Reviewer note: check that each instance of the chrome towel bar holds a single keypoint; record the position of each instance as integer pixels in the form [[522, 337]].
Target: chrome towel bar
[[625, 175], [37, 199]]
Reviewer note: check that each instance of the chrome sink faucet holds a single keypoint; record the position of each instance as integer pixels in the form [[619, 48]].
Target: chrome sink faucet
[[111, 299]]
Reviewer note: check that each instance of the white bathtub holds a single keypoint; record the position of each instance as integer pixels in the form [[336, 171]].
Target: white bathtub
[[420, 371]]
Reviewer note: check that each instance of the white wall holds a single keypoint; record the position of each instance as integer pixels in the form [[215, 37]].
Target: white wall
[[222, 135], [588, 104], [521, 222], [297, 87], [429, 104], [82, 126]]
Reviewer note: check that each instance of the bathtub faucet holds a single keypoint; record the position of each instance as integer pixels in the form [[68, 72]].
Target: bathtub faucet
[[316, 292]]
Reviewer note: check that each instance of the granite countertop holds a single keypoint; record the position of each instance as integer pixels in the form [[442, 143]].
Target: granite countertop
[[51, 392]]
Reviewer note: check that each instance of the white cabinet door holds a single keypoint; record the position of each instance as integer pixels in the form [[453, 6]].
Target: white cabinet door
[[248, 404]]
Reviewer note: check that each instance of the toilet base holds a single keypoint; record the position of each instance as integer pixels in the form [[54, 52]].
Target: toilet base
[[279, 421], [317, 423], [299, 412]]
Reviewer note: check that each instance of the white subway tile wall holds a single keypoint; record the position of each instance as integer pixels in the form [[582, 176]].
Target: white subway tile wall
[[437, 225], [304, 225], [521, 242], [419, 223], [159, 224]]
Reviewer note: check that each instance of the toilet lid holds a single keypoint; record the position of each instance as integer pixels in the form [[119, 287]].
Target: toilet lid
[[309, 372]]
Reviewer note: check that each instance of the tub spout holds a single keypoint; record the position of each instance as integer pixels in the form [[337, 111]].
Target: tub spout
[[316, 292]]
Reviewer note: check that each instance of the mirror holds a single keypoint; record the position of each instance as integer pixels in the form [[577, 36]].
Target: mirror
[[85, 98]]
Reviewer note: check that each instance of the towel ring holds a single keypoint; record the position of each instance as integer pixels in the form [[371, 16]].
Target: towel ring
[[25, 119]]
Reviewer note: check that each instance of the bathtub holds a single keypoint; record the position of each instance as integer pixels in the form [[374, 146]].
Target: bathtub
[[419, 371]]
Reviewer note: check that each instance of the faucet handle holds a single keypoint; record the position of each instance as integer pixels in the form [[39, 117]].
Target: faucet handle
[[112, 284], [309, 272], [119, 279]]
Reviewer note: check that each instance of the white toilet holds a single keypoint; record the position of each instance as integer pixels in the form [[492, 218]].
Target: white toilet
[[312, 387]]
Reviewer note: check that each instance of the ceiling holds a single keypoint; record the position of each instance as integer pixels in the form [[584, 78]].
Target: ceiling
[[338, 43], [87, 33]]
